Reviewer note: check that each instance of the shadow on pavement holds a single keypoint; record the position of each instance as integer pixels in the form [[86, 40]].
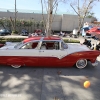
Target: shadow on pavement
[[49, 83]]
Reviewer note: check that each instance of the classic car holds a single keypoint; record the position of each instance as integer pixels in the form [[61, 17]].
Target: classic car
[[47, 52]]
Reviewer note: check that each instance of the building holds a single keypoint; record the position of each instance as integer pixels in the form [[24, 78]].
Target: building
[[62, 22]]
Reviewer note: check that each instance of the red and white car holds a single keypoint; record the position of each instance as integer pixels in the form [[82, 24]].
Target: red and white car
[[47, 52]]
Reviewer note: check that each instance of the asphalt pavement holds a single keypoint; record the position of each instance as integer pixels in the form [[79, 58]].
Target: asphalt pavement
[[29, 83]]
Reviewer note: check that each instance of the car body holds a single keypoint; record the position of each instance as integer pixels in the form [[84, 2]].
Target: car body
[[47, 52], [5, 32]]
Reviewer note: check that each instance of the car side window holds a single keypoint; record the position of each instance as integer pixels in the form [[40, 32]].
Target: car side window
[[50, 45], [63, 45], [30, 45], [7, 31]]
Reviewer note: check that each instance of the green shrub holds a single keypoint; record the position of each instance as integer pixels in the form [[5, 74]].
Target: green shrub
[[3, 40], [14, 39], [74, 41], [14, 32], [71, 41]]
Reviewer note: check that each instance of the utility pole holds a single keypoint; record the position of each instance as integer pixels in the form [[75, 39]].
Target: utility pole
[[15, 17], [49, 19]]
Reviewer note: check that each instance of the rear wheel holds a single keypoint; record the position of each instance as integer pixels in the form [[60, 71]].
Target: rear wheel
[[16, 66], [82, 63]]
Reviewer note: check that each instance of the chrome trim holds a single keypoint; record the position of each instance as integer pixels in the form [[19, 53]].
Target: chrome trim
[[40, 43]]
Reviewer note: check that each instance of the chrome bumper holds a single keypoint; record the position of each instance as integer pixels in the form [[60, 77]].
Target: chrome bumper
[[95, 64]]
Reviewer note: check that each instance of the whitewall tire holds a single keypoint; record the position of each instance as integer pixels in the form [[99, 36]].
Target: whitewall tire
[[82, 63], [16, 66]]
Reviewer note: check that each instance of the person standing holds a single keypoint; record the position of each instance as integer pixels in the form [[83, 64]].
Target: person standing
[[30, 35], [98, 46], [83, 33]]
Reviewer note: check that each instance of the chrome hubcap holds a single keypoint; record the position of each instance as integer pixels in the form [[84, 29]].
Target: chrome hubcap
[[81, 63]]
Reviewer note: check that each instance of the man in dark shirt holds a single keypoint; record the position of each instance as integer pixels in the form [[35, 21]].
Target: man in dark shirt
[[87, 43], [98, 46]]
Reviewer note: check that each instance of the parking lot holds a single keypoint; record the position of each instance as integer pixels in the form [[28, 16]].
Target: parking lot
[[29, 83]]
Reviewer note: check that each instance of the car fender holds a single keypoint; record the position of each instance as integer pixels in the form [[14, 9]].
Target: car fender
[[74, 57]]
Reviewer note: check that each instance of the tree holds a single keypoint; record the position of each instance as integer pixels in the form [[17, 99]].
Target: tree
[[8, 24], [90, 15], [42, 24], [2, 23], [51, 7], [82, 9], [12, 22]]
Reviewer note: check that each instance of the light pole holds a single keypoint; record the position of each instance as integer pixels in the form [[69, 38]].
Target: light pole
[[79, 19], [15, 17]]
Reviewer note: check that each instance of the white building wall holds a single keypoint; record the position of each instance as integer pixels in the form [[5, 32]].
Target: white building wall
[[57, 20], [69, 22], [63, 22]]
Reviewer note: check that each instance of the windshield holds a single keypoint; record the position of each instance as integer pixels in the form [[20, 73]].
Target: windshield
[[18, 45]]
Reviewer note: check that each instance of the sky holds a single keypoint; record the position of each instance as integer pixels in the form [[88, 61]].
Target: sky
[[35, 5]]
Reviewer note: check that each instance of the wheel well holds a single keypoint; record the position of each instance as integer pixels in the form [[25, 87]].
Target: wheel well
[[88, 59], [77, 60]]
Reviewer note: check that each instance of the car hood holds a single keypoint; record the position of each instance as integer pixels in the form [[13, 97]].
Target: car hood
[[8, 46], [75, 47]]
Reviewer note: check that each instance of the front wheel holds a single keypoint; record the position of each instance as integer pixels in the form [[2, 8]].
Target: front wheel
[[82, 63], [16, 66]]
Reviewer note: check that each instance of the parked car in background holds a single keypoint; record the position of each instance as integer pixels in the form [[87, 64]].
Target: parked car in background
[[4, 32], [47, 52], [1, 45], [38, 31], [24, 32]]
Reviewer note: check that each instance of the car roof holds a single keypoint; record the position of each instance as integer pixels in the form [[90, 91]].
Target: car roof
[[44, 38]]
